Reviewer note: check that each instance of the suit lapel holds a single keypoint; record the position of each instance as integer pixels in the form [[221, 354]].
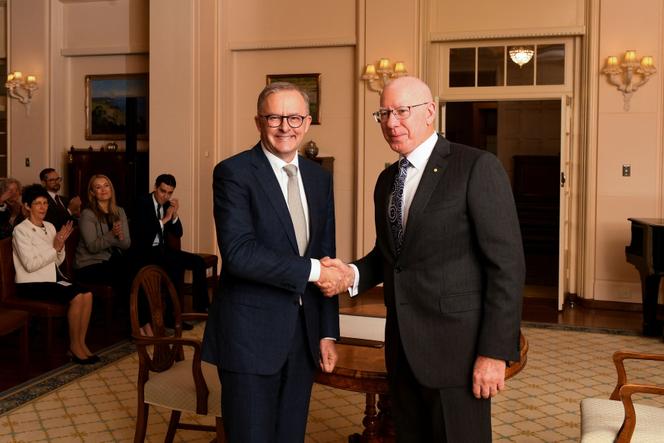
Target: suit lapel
[[268, 182], [433, 172]]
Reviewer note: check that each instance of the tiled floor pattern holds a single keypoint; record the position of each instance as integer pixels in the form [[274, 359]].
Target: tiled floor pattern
[[541, 403]]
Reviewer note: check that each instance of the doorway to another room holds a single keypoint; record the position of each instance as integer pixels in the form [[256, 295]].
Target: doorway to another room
[[525, 135]]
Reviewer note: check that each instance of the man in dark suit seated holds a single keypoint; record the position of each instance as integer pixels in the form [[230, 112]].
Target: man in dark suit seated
[[155, 220], [60, 209]]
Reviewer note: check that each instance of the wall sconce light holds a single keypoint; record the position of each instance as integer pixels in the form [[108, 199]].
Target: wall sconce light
[[521, 55], [622, 75], [21, 88], [378, 77]]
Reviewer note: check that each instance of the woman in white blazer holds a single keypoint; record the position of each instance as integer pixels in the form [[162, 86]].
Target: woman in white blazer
[[38, 250]]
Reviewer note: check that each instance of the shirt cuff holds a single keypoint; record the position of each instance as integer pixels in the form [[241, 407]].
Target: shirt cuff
[[314, 274], [3, 206], [329, 338], [353, 290]]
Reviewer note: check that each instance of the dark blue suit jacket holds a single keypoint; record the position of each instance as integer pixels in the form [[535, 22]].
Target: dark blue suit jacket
[[145, 226], [255, 312]]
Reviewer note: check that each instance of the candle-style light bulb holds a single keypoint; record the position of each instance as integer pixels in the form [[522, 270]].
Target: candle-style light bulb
[[612, 61]]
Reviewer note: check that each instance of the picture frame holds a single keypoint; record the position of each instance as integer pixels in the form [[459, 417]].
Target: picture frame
[[106, 105], [309, 83]]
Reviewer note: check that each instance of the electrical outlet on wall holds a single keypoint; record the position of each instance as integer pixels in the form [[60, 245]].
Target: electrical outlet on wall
[[27, 162]]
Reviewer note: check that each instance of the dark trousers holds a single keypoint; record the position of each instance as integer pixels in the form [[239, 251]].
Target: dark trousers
[[116, 273], [270, 408], [175, 262], [446, 415]]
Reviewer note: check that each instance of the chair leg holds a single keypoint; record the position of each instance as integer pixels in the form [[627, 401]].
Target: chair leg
[[172, 426], [24, 349], [221, 436], [141, 422]]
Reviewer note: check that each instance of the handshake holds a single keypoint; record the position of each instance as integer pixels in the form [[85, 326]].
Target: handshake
[[335, 276]]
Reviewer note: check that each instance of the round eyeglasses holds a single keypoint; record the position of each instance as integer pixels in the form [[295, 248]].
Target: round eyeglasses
[[400, 113], [294, 121]]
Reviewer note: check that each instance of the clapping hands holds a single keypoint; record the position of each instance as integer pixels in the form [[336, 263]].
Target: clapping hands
[[117, 230], [335, 276], [62, 235]]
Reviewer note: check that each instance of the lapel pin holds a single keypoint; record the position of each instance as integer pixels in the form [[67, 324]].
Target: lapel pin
[[435, 169]]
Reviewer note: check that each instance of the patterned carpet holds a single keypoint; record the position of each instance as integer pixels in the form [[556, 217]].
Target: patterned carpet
[[541, 403]]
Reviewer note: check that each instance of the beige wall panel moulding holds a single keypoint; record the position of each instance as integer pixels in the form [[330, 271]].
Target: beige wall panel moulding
[[505, 18], [117, 27], [254, 24]]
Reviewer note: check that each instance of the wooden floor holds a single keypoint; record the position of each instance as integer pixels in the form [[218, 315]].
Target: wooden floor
[[539, 306]]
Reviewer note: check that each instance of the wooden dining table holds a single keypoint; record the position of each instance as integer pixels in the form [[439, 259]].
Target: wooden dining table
[[361, 368]]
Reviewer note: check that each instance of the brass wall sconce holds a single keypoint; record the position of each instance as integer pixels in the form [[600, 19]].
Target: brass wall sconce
[[378, 77], [624, 75], [21, 88]]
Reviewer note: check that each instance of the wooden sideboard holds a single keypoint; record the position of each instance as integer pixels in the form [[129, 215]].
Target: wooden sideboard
[[130, 178]]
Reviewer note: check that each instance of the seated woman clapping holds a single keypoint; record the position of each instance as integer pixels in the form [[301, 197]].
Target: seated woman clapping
[[38, 250], [104, 238]]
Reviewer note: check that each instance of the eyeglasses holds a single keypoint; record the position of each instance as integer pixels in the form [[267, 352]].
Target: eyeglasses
[[400, 113], [56, 180], [294, 121]]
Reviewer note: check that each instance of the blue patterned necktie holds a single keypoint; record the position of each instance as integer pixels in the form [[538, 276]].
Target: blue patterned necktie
[[395, 209]]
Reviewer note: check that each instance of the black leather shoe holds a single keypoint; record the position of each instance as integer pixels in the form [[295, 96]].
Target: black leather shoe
[[186, 326], [81, 361], [94, 357]]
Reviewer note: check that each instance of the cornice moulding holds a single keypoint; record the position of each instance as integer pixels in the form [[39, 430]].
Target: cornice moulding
[[113, 50], [507, 34], [292, 44]]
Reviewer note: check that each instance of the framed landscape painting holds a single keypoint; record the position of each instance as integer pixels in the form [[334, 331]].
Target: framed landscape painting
[[107, 98], [309, 83]]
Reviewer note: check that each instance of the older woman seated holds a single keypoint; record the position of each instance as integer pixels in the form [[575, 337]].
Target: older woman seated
[[11, 209], [38, 250]]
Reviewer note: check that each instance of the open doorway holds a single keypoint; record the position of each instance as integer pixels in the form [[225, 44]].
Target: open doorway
[[526, 138]]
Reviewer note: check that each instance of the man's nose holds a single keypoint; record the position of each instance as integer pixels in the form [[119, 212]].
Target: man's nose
[[392, 121], [284, 126]]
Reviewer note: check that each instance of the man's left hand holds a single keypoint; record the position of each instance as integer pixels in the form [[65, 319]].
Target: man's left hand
[[328, 355], [488, 377]]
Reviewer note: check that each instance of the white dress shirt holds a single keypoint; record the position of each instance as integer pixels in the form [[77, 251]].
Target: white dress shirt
[[418, 159], [277, 165]]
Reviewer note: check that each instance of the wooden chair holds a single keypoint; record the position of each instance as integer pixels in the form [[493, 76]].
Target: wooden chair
[[13, 320], [619, 419], [101, 292], [211, 266], [38, 308], [165, 378]]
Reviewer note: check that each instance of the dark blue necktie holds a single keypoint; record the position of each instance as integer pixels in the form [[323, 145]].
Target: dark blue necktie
[[395, 209]]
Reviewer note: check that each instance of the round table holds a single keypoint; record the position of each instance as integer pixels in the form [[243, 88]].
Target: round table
[[361, 368]]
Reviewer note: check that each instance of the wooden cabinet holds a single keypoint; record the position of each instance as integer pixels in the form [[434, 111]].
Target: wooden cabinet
[[129, 176], [326, 163]]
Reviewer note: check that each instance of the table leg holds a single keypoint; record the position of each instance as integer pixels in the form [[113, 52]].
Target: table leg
[[649, 293], [386, 420], [371, 424]]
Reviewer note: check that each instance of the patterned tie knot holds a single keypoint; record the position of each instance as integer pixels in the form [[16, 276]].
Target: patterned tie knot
[[291, 170], [403, 163]]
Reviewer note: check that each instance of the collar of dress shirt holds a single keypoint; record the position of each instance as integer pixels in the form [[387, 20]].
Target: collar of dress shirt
[[154, 202], [52, 194], [420, 155], [277, 163]]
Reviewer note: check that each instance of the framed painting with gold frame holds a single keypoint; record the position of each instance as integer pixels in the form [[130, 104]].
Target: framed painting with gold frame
[[106, 100], [309, 83]]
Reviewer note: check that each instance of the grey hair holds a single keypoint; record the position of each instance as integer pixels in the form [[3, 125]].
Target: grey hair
[[4, 184], [275, 87]]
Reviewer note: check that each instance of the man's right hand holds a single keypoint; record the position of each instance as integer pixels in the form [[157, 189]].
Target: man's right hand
[[335, 276]]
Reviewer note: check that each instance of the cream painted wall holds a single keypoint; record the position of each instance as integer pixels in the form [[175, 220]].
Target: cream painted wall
[[451, 19], [29, 134], [633, 137], [183, 68]]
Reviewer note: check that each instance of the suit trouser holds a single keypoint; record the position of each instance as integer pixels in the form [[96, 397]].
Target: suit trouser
[[447, 415], [270, 408]]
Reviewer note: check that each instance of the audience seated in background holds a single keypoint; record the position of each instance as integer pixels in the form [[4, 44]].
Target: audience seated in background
[[38, 251], [11, 209], [60, 209], [155, 219], [104, 240]]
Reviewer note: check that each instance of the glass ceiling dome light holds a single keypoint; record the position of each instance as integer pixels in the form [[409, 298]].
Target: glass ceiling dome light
[[521, 55]]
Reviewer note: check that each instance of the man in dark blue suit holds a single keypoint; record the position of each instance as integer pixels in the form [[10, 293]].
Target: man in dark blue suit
[[269, 325]]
